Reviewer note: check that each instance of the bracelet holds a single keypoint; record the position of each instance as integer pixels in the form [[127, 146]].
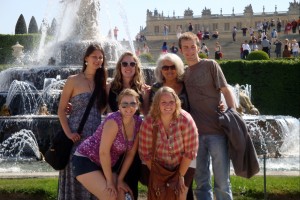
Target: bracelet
[[180, 175]]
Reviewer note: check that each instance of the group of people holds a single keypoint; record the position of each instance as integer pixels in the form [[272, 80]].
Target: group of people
[[182, 103]]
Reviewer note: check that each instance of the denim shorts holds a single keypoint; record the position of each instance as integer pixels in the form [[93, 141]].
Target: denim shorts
[[82, 165]]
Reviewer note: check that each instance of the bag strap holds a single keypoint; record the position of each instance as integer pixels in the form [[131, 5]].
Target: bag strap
[[154, 139], [86, 112]]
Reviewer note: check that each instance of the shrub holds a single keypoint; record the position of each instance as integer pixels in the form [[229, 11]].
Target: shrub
[[33, 27], [258, 55], [202, 55], [21, 27], [146, 57]]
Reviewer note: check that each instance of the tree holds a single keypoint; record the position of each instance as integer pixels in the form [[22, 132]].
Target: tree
[[52, 29], [33, 27], [21, 27]]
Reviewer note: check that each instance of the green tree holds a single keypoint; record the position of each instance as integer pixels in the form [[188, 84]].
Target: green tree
[[21, 27], [52, 29], [33, 27]]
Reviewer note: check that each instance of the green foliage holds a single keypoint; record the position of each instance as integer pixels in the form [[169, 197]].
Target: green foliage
[[21, 27], [258, 55], [33, 27], [52, 29], [29, 41], [278, 187], [275, 84], [146, 57], [202, 55]]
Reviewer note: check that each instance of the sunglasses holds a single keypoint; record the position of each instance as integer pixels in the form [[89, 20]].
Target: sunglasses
[[166, 68], [132, 104], [126, 64]]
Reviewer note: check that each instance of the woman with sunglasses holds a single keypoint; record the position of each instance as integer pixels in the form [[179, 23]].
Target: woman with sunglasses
[[177, 138], [128, 74], [169, 72], [94, 162]]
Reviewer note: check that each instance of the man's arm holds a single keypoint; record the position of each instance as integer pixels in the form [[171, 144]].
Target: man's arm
[[228, 95]]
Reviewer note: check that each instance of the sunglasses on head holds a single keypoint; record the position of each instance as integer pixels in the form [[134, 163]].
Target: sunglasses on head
[[166, 68], [132, 104], [126, 64]]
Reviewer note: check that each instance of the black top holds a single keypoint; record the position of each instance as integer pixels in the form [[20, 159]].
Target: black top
[[113, 100], [183, 96]]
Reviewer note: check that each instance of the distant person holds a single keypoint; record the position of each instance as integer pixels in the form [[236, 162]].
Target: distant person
[[218, 53], [166, 30], [215, 35], [244, 31], [200, 35], [266, 45], [286, 52], [146, 48], [164, 48], [173, 48], [178, 31], [234, 31], [278, 46], [204, 49], [116, 30], [295, 48], [246, 49], [191, 27]]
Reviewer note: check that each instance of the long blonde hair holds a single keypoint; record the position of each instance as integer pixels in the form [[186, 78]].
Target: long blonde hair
[[155, 109], [138, 79]]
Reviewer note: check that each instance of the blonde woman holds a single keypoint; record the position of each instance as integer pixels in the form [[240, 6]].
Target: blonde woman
[[177, 138]]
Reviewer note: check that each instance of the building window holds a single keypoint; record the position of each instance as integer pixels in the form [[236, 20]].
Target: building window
[[156, 29], [226, 27], [239, 25], [215, 26], [197, 27]]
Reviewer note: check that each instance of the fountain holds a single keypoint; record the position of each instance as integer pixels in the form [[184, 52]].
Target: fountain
[[29, 95]]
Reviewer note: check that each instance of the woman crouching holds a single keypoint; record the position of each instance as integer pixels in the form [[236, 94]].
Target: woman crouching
[[95, 158]]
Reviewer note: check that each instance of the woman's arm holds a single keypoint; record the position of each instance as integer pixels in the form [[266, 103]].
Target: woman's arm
[[109, 134], [63, 103]]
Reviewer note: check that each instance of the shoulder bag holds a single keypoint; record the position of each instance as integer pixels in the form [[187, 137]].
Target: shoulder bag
[[58, 154], [163, 183]]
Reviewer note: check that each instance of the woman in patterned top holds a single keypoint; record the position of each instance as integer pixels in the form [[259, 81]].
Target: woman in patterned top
[[95, 158], [177, 137]]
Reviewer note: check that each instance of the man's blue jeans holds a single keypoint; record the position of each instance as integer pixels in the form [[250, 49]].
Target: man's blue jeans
[[214, 146]]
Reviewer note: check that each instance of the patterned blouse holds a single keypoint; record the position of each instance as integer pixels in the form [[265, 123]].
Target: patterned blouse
[[183, 141], [90, 147]]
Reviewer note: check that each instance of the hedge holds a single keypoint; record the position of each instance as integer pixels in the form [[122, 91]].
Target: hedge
[[29, 41], [275, 84]]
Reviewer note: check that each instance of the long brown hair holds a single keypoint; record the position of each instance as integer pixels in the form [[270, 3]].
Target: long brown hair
[[138, 79], [100, 76]]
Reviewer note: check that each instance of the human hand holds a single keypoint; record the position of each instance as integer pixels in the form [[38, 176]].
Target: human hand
[[221, 106], [111, 190], [68, 109], [75, 137], [181, 185], [123, 186]]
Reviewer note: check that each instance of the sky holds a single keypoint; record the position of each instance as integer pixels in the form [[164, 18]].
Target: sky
[[127, 15]]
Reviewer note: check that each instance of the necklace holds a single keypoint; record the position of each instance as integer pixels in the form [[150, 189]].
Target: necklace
[[91, 85]]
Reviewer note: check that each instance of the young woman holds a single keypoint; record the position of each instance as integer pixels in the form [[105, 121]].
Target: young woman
[[78, 90], [177, 137], [94, 162], [128, 74]]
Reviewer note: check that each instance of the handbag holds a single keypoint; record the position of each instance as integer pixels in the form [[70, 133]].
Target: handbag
[[58, 154], [163, 183]]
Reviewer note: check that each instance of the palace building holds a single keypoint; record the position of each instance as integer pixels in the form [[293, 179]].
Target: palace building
[[207, 21]]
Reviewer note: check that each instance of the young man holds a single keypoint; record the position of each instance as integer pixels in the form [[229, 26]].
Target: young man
[[205, 81]]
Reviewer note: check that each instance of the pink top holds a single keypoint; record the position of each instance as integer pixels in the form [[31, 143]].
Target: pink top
[[90, 147]]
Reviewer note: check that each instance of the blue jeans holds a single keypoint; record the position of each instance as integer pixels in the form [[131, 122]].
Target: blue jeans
[[214, 146]]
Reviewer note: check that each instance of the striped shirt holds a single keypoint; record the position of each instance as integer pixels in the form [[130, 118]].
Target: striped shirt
[[182, 140]]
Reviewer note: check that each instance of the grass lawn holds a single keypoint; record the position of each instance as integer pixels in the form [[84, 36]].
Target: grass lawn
[[278, 188]]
